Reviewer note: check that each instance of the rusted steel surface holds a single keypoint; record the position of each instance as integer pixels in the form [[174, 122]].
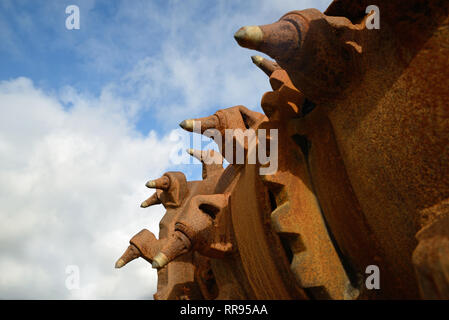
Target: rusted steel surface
[[431, 257], [362, 120]]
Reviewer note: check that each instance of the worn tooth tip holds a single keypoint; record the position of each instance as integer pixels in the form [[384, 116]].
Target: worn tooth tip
[[187, 124], [240, 34], [151, 184], [144, 204], [182, 124], [249, 34], [120, 263], [257, 60], [190, 151], [159, 261]]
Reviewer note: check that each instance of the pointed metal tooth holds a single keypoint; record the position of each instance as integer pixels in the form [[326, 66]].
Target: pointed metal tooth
[[144, 204], [257, 60], [130, 254], [151, 184], [187, 124], [151, 201], [279, 40], [120, 263], [265, 65], [200, 124], [197, 154], [159, 260], [210, 159], [249, 37], [162, 183], [176, 245], [206, 156]]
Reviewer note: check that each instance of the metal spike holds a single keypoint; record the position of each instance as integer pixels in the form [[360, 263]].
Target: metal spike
[[162, 183], [130, 254], [151, 201], [265, 65], [159, 260], [249, 37], [187, 124]]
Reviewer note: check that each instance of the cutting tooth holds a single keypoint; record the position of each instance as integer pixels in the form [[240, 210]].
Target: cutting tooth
[[151, 201], [200, 124], [278, 40], [265, 65], [159, 260], [187, 124], [257, 60], [120, 263], [206, 156], [211, 160], [130, 254], [162, 183], [249, 37]]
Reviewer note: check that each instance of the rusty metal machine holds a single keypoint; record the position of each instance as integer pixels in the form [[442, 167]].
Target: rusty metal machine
[[362, 124]]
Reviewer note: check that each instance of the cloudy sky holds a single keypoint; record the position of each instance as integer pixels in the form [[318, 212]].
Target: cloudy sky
[[88, 116]]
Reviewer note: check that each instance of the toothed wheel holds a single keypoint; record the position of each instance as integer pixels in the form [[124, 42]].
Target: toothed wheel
[[294, 211], [296, 218]]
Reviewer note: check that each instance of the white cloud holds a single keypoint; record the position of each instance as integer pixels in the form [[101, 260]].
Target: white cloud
[[71, 184]]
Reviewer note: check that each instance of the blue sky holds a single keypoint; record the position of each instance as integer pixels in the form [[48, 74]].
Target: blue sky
[[88, 116], [114, 37]]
